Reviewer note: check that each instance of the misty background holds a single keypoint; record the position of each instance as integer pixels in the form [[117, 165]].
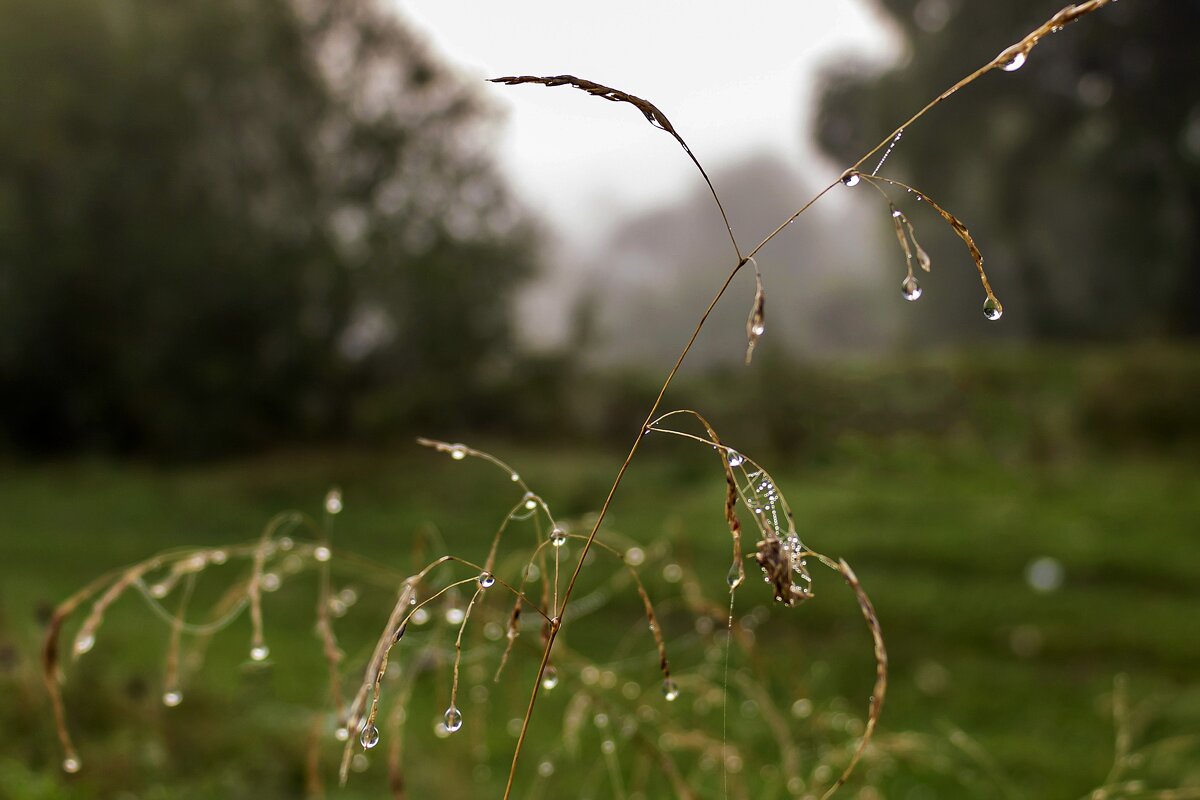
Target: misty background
[[228, 227]]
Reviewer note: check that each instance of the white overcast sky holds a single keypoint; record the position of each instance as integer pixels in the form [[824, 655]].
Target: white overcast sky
[[732, 78]]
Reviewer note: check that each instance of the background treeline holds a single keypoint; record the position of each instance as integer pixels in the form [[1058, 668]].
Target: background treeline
[[222, 221], [230, 225]]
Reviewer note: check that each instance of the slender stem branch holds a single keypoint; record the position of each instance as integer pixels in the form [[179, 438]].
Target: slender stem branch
[[566, 597]]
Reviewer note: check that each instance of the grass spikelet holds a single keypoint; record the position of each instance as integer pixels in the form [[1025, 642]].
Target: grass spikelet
[[650, 111], [756, 322]]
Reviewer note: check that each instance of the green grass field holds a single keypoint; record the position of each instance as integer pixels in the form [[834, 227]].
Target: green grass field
[[996, 690]]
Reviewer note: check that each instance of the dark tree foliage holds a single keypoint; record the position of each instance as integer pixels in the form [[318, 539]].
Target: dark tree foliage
[[1078, 173], [224, 222]]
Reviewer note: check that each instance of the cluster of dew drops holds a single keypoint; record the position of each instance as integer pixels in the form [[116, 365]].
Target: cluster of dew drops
[[910, 288], [791, 542]]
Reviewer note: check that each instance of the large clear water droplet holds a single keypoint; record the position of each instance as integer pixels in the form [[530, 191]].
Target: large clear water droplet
[[71, 764], [530, 501], [458, 452], [369, 737], [486, 580], [735, 458], [84, 643], [1015, 63], [735, 575], [670, 690], [452, 719], [911, 289], [558, 536], [550, 677], [172, 698], [260, 652], [850, 178], [992, 308], [322, 553]]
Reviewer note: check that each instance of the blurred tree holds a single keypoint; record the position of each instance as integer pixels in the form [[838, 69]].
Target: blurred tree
[[222, 221], [1079, 173]]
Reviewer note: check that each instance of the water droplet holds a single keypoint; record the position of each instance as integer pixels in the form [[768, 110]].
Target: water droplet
[[911, 289], [458, 452], [84, 643], [455, 615], [802, 708], [546, 769], [897, 213], [992, 308], [608, 747], [634, 556], [531, 501], [452, 719], [158, 591], [486, 580], [850, 178], [514, 477], [342, 734], [550, 677], [558, 536], [260, 652], [322, 553], [758, 329], [71, 765], [1044, 574], [735, 576], [735, 458], [420, 616], [218, 556], [333, 501], [670, 690], [172, 698], [369, 737], [1014, 63], [270, 582]]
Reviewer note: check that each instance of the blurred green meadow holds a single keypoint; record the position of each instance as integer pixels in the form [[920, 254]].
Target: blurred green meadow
[[1016, 575]]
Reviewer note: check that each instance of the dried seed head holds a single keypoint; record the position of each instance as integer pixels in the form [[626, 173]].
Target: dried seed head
[[756, 322]]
